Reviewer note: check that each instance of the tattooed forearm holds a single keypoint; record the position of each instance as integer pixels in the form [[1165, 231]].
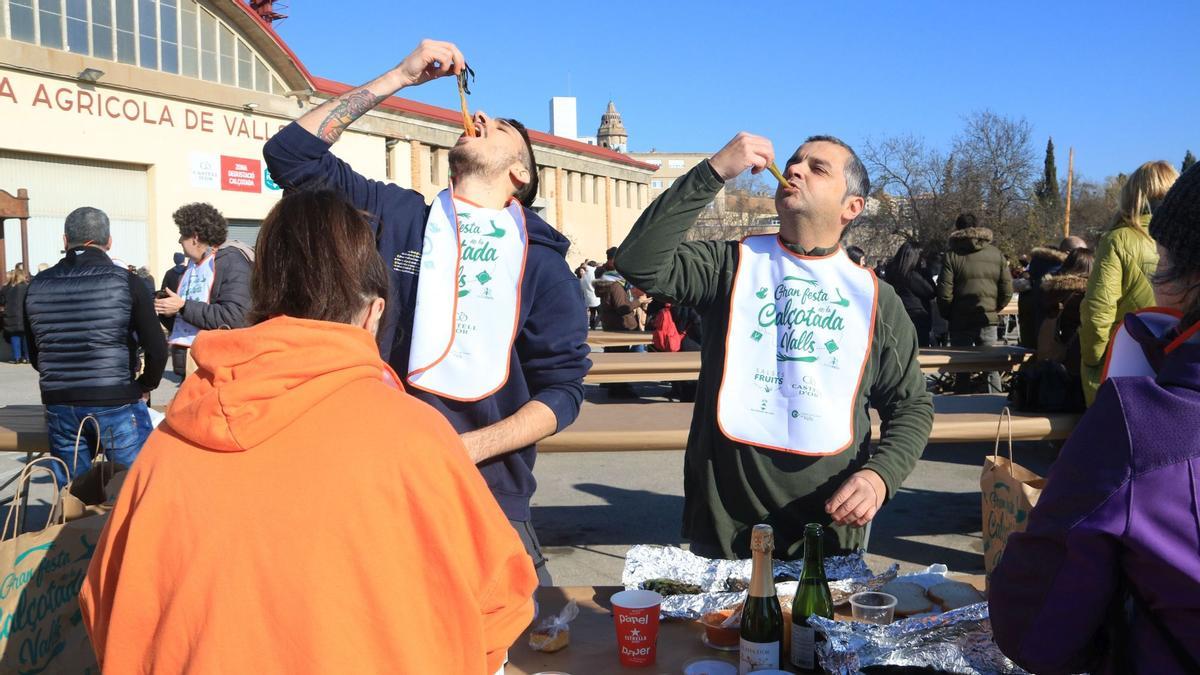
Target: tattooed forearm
[[346, 108]]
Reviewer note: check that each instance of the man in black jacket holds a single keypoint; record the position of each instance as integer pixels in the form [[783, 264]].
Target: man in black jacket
[[214, 291], [87, 318]]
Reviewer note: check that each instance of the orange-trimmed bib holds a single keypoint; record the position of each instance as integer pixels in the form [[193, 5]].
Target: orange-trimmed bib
[[468, 298], [799, 336]]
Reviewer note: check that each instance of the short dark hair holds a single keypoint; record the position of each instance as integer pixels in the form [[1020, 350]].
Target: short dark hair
[[528, 193], [964, 221], [858, 183], [86, 224], [203, 221], [315, 259], [856, 254]]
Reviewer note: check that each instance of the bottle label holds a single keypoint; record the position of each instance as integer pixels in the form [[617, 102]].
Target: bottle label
[[758, 656], [804, 647]]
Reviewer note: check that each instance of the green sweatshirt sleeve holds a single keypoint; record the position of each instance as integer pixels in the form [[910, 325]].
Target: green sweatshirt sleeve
[[898, 393], [655, 256], [1005, 289]]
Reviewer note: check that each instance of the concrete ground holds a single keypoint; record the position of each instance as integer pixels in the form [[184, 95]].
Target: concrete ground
[[591, 507]]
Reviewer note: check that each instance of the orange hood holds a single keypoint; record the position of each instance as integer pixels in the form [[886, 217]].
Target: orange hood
[[253, 382]]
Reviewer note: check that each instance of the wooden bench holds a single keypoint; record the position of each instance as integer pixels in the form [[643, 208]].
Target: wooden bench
[[656, 425], [612, 367]]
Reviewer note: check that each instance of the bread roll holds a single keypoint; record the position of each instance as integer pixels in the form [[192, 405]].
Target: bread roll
[[910, 598]]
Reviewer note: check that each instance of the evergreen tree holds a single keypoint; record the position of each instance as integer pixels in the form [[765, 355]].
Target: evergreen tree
[[1188, 160], [1046, 189]]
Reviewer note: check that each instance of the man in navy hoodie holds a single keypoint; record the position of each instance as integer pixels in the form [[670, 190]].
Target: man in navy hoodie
[[502, 392]]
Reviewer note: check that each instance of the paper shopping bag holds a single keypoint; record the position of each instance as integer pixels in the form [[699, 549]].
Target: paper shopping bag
[[94, 492], [41, 625], [1010, 491]]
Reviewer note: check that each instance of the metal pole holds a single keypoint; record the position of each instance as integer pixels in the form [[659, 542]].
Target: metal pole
[[1070, 176]]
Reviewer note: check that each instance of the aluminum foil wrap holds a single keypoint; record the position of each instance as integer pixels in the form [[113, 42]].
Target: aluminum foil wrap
[[643, 563], [958, 641]]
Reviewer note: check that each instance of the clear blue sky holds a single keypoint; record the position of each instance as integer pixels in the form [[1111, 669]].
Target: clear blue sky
[[1119, 81]]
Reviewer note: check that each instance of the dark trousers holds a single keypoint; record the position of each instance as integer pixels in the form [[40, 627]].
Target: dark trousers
[[529, 538], [975, 337]]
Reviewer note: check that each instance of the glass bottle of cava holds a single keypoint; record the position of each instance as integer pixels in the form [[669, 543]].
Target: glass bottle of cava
[[812, 597], [762, 619]]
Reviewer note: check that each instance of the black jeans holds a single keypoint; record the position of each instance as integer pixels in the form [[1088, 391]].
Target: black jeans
[[529, 538]]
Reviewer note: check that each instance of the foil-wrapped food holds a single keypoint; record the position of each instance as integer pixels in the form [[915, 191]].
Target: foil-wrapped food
[[718, 583], [959, 641]]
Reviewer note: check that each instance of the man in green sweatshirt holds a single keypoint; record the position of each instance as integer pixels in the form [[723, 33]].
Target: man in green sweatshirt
[[799, 342]]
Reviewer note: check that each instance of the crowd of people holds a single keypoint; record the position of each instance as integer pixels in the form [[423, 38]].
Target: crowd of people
[[361, 321]]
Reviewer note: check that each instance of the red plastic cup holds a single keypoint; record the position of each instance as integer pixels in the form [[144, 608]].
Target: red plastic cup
[[635, 614]]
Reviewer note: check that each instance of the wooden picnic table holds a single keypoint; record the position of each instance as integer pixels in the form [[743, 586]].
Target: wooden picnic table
[[611, 367], [23, 429], [612, 338], [657, 425], [593, 646]]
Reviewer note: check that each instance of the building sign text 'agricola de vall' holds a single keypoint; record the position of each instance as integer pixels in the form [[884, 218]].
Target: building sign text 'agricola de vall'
[[130, 109]]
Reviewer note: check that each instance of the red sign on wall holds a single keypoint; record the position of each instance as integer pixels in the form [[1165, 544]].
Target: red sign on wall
[[240, 174]]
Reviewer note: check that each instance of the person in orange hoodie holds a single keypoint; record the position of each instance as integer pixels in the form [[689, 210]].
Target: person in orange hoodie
[[297, 511]]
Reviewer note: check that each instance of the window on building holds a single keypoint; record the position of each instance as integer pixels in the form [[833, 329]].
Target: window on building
[[147, 34], [655, 162], [228, 48], [168, 24], [126, 40], [208, 47], [102, 29], [629, 195], [433, 168], [571, 186], [618, 195], [656, 184], [674, 164], [77, 27], [245, 66], [50, 23], [174, 36], [189, 50], [262, 78], [596, 191]]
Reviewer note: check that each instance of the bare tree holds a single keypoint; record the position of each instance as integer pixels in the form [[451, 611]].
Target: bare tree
[[748, 207], [995, 152]]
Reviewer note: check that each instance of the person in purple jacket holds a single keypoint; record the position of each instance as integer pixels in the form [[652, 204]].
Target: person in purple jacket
[[1106, 578], [484, 320]]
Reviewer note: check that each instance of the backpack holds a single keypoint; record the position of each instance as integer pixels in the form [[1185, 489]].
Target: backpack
[[1046, 386], [666, 337]]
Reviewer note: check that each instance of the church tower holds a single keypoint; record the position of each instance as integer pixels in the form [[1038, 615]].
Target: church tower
[[612, 133]]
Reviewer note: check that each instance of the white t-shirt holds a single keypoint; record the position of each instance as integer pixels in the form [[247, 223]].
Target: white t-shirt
[[587, 284]]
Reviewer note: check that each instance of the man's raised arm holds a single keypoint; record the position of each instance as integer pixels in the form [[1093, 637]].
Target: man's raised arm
[[429, 61], [298, 156]]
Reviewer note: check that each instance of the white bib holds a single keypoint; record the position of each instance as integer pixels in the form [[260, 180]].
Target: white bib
[[800, 331], [1125, 357], [468, 299], [195, 284]]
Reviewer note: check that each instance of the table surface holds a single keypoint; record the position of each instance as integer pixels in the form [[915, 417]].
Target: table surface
[[593, 647], [656, 425], [613, 338]]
